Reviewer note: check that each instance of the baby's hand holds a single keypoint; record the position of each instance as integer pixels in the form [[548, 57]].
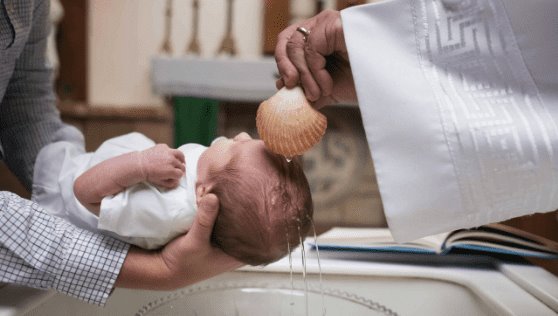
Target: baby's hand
[[162, 166]]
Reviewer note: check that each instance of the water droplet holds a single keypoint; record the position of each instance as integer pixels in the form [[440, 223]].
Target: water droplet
[[319, 265], [303, 252], [291, 272]]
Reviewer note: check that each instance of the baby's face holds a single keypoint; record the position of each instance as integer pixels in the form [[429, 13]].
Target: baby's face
[[251, 155]]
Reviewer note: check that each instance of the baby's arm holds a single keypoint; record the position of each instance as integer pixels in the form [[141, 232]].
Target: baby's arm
[[158, 165]]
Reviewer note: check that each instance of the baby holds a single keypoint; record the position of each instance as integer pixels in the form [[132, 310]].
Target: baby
[[146, 194]]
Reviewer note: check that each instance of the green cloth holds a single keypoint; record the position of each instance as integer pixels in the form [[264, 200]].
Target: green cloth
[[195, 120]]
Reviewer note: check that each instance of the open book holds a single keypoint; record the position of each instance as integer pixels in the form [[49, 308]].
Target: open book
[[493, 238]]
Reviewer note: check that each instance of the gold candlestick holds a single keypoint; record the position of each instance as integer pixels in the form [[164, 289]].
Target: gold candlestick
[[227, 45], [194, 46], [166, 48]]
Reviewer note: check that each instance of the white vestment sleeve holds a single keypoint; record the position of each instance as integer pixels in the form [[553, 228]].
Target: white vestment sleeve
[[459, 101]]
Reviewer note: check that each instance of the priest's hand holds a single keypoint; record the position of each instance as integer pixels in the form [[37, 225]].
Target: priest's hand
[[313, 54]]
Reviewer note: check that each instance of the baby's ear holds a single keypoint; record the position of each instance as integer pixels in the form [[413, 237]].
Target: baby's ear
[[201, 190]]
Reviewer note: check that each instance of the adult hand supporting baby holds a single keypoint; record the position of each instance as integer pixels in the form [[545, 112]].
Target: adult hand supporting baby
[[203, 259], [318, 61], [187, 259]]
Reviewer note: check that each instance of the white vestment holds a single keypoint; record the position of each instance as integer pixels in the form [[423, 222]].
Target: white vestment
[[459, 101]]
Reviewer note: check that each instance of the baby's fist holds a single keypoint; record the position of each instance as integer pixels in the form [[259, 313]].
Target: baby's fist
[[162, 166]]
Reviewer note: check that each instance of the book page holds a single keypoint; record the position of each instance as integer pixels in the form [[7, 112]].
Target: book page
[[547, 243], [502, 237], [375, 239]]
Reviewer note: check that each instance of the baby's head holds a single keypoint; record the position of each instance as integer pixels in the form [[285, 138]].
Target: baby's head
[[265, 202]]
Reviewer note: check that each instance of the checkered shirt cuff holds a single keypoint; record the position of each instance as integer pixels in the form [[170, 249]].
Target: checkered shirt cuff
[[43, 251]]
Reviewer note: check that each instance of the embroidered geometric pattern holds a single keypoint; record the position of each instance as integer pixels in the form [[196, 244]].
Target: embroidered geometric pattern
[[500, 136]]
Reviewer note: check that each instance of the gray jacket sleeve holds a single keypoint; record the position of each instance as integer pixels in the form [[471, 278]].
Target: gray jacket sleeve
[[36, 248], [28, 115]]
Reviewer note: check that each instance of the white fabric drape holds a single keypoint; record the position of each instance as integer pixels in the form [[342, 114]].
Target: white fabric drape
[[459, 101]]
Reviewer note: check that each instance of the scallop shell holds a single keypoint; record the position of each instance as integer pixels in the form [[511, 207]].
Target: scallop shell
[[288, 124]]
